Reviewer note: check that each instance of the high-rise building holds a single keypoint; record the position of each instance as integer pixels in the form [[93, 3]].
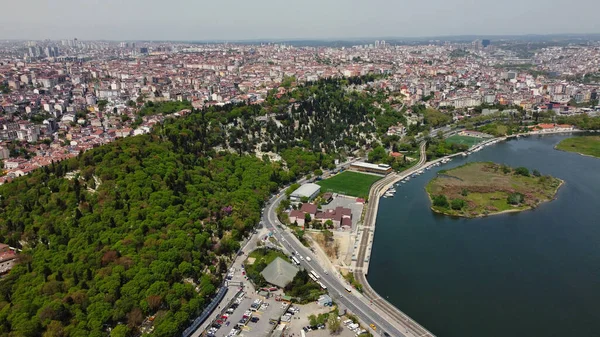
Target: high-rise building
[[377, 44], [485, 43]]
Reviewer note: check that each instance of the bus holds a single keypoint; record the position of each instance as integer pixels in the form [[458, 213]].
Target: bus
[[295, 260], [322, 285], [348, 289], [312, 272], [312, 277]]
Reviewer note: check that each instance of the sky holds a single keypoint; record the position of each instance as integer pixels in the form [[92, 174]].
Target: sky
[[295, 19]]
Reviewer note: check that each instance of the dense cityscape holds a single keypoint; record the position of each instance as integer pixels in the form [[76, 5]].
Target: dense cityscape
[[63, 97]]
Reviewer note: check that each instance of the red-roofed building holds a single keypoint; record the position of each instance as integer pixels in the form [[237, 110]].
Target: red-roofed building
[[7, 258], [297, 216], [309, 208]]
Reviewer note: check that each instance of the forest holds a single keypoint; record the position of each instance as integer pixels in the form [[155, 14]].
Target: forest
[[145, 226]]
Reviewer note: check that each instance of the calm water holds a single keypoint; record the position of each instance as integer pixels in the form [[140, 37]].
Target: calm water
[[534, 273]]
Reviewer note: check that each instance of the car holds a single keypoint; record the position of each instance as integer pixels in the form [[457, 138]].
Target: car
[[386, 334], [373, 326], [254, 319], [216, 325]]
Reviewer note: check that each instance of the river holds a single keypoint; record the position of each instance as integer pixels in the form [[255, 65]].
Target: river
[[533, 273]]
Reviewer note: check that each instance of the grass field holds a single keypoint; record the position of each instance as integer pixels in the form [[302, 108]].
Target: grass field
[[485, 188], [470, 141], [349, 183], [587, 145]]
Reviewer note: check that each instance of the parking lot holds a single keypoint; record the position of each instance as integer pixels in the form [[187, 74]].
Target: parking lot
[[253, 318]]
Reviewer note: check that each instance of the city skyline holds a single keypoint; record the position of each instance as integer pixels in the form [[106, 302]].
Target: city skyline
[[269, 20]]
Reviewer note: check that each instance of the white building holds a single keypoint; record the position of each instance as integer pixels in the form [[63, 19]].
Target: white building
[[309, 191]]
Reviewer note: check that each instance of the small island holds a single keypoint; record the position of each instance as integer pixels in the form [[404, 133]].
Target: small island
[[585, 145], [485, 188]]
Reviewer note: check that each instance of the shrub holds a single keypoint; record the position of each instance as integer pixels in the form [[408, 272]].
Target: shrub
[[522, 171]]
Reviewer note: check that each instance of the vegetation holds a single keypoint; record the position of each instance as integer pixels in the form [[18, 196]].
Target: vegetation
[[463, 140], [477, 189], [169, 107], [437, 148], [145, 225], [334, 325], [260, 260], [303, 288], [350, 278], [349, 183], [318, 320], [586, 145]]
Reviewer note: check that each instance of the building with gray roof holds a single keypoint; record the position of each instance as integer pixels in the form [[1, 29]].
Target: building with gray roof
[[279, 272]]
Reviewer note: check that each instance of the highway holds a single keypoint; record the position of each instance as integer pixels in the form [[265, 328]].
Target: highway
[[369, 312], [377, 189]]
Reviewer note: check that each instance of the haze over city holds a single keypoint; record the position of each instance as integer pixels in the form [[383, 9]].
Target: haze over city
[[271, 19]]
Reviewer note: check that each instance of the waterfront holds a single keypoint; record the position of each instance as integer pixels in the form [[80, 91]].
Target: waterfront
[[533, 273]]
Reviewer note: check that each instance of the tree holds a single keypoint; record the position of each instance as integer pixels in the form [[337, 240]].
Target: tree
[[515, 198], [457, 204], [536, 173], [440, 201], [377, 155], [334, 324]]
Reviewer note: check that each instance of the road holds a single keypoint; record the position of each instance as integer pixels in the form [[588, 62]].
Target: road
[[377, 189], [368, 311]]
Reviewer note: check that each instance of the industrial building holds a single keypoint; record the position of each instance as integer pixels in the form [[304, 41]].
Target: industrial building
[[309, 191], [382, 169]]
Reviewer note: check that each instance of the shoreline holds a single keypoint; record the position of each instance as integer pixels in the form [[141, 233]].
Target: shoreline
[[576, 152], [370, 219]]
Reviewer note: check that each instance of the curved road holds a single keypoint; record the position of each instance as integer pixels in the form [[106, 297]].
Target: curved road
[[368, 306]]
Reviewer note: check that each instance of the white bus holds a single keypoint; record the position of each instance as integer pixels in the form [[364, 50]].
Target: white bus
[[295, 260], [312, 272], [312, 277], [322, 285]]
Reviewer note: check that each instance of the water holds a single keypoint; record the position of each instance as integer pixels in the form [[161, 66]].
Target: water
[[533, 273]]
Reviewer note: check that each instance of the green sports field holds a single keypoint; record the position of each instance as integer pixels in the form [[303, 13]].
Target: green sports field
[[470, 141], [349, 183]]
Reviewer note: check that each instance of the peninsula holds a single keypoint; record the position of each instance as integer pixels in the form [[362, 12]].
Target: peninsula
[[485, 188], [585, 145]]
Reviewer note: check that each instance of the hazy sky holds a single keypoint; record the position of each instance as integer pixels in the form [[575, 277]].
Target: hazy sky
[[285, 19]]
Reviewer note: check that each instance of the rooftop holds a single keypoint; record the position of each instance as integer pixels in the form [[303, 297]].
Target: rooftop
[[279, 272]]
